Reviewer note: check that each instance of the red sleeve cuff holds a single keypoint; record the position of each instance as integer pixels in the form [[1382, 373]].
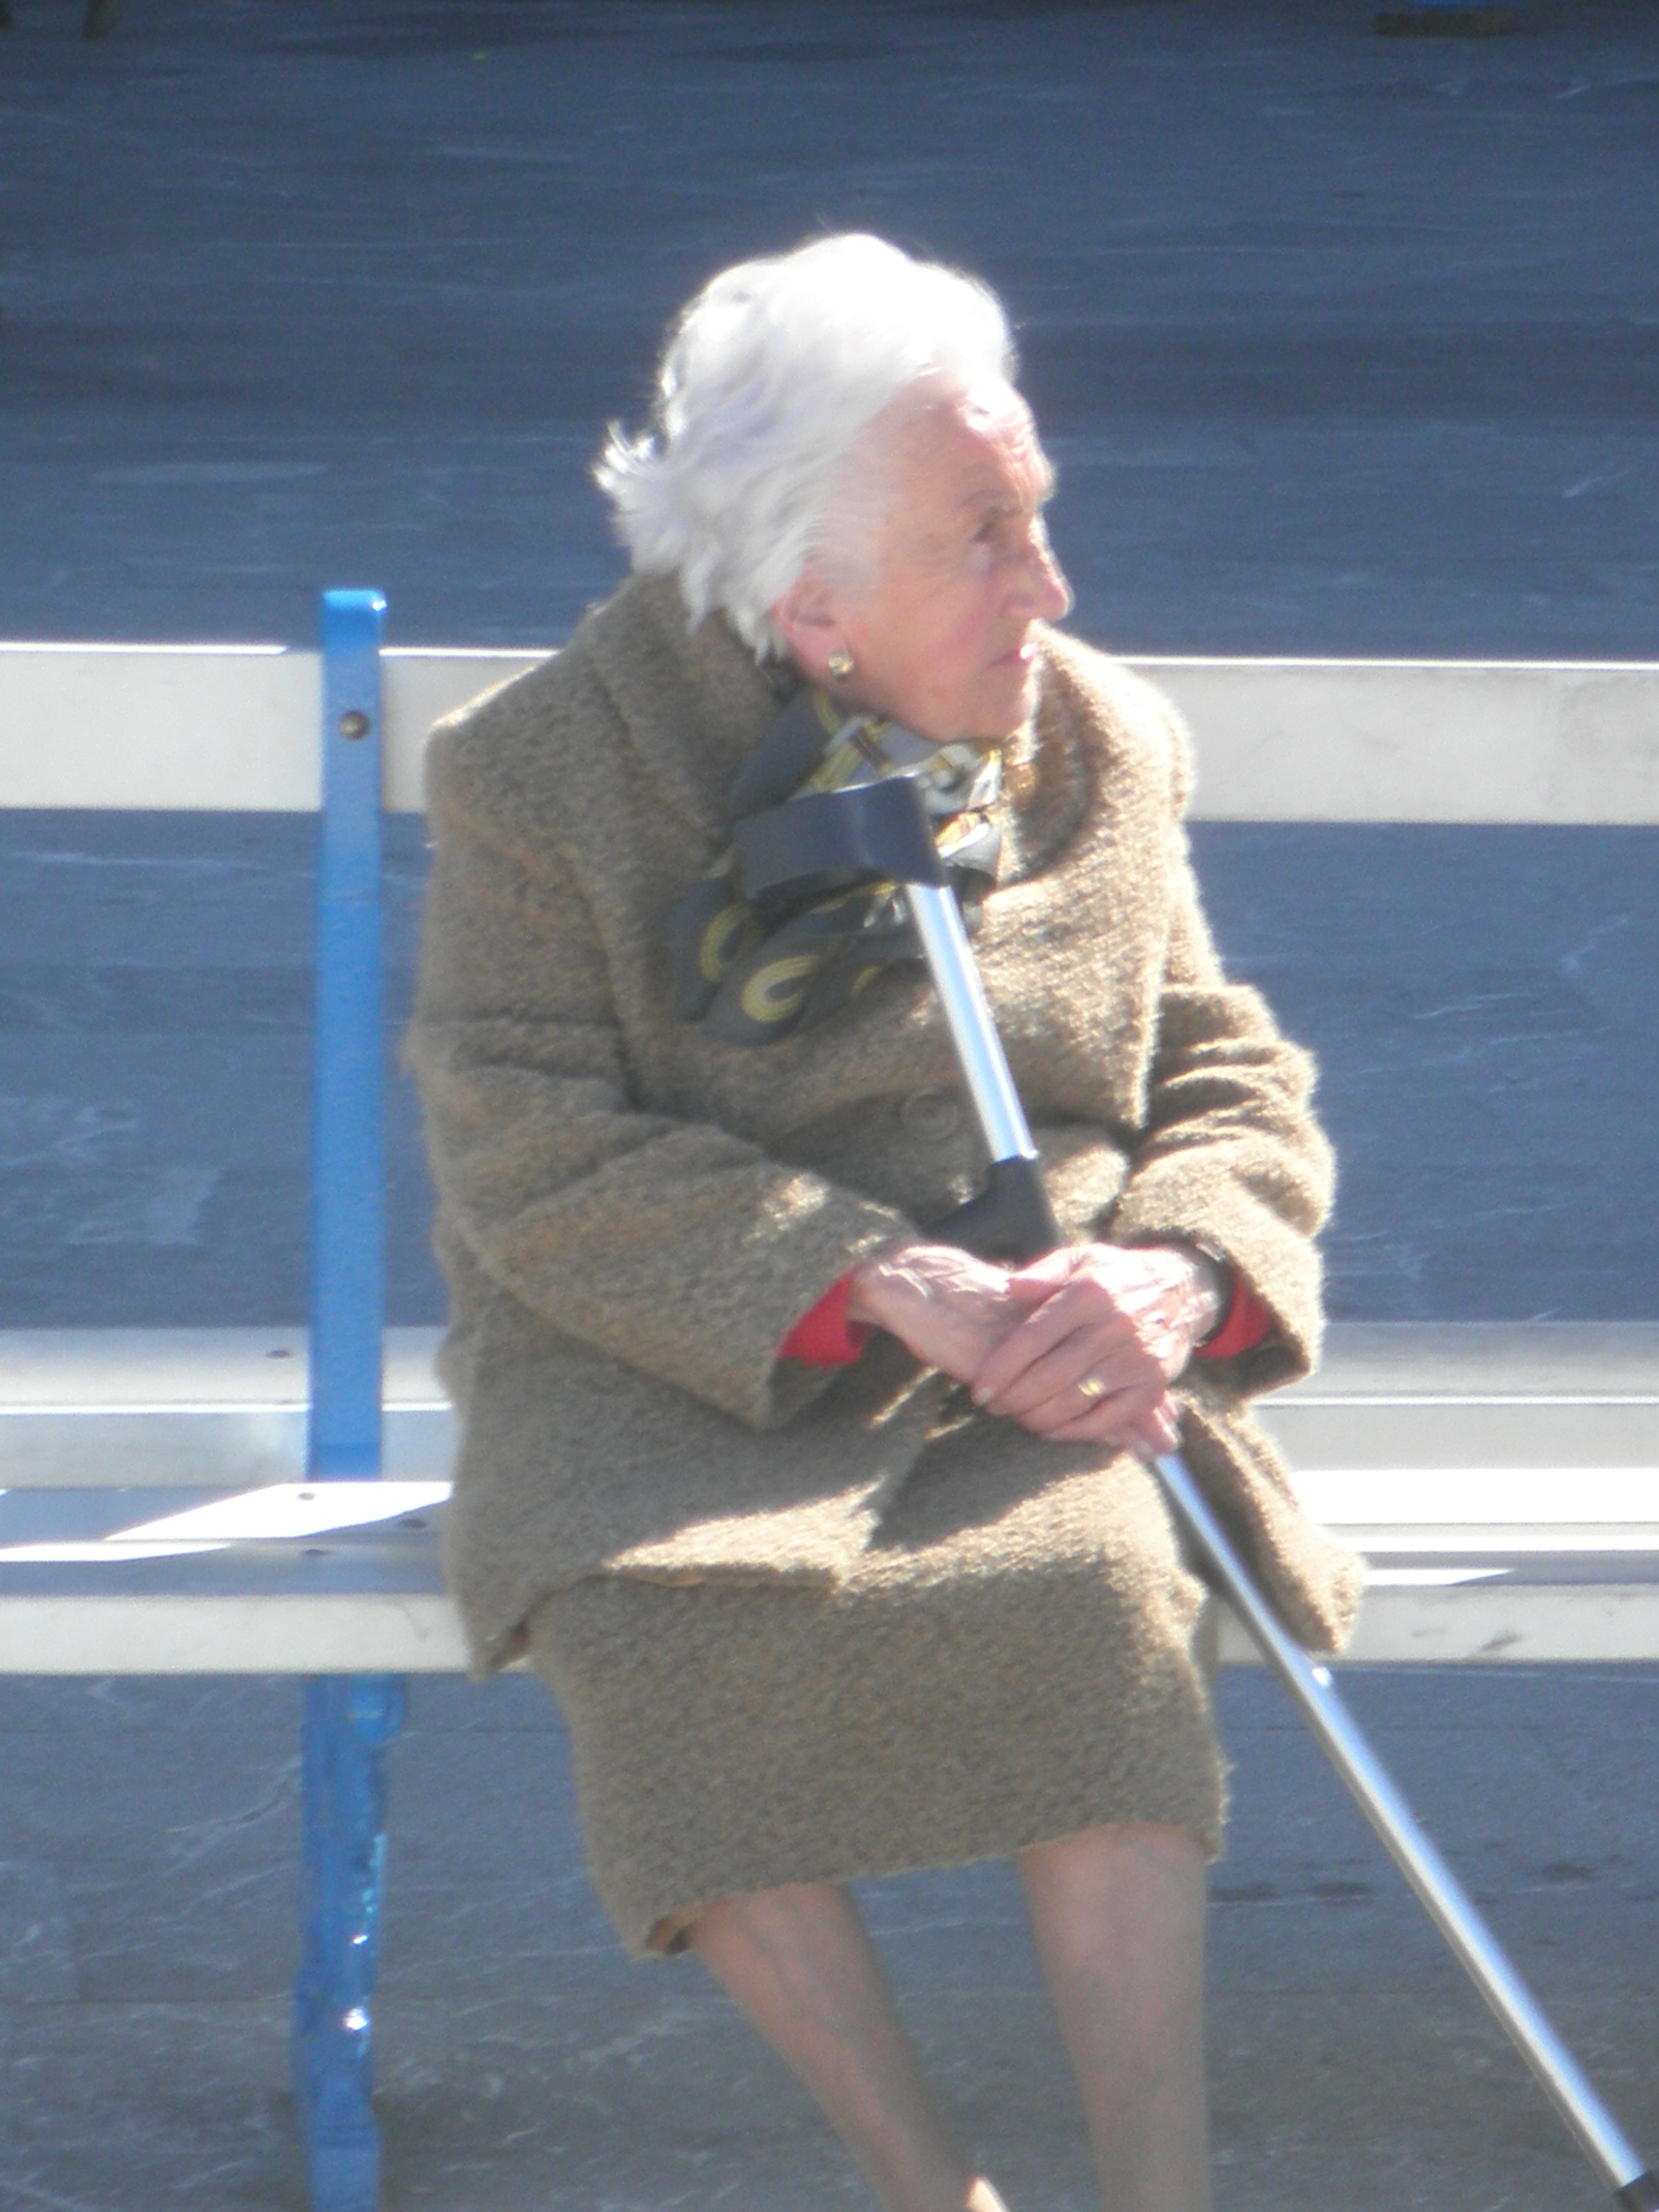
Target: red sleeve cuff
[[824, 1336], [1246, 1321]]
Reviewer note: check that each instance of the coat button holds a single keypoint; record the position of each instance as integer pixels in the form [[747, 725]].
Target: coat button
[[932, 1114]]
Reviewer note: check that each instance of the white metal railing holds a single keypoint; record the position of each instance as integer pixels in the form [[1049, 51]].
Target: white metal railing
[[236, 727]]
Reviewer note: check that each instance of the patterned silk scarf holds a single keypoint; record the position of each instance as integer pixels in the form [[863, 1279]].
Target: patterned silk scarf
[[754, 971]]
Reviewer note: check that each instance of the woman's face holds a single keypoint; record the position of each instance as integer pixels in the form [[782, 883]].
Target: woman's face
[[938, 625]]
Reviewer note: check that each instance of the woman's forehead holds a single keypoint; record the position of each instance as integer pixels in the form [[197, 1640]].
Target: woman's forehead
[[977, 449]]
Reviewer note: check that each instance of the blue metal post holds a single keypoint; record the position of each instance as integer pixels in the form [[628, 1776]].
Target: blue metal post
[[348, 1171], [348, 1720]]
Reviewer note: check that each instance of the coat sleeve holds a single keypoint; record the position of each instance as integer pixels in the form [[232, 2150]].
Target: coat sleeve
[[673, 1246], [1230, 1154]]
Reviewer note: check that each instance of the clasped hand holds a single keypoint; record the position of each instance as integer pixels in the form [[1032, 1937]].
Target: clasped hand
[[1080, 1346]]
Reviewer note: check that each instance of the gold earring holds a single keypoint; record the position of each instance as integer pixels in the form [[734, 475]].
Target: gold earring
[[840, 664]]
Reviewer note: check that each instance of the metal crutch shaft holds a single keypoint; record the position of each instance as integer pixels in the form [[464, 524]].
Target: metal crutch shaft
[[1438, 1890], [1007, 1135]]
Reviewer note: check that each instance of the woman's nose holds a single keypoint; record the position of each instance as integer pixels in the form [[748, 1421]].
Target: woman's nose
[[1060, 592], [1043, 584]]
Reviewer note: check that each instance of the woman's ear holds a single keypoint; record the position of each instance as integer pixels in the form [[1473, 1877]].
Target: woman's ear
[[808, 617]]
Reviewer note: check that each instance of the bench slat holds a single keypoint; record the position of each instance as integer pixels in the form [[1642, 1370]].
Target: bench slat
[[226, 1407], [367, 1597], [418, 1632], [236, 727]]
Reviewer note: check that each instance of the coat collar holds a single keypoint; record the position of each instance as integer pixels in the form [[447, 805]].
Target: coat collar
[[694, 702]]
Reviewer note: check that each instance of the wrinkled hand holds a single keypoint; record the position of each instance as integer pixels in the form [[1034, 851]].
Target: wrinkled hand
[[946, 1307], [1121, 1323]]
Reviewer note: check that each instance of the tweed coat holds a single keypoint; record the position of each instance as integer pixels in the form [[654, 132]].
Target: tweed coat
[[631, 1215]]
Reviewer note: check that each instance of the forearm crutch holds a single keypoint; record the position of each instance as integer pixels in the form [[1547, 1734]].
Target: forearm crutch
[[883, 830]]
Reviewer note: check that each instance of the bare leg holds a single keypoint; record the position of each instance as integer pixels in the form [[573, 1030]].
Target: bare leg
[[798, 1963], [1119, 1917]]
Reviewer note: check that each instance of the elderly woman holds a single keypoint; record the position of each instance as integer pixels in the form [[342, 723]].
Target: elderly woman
[[838, 1547]]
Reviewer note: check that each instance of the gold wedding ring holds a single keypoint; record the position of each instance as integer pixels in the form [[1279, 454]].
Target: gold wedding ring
[[1091, 1388]]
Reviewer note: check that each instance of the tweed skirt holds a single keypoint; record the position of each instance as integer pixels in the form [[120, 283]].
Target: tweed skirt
[[1013, 1660]]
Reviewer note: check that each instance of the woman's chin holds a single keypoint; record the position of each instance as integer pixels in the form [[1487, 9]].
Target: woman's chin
[[997, 705], [1006, 701]]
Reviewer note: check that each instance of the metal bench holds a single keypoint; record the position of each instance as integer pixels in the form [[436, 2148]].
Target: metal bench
[[252, 1501], [1502, 1481]]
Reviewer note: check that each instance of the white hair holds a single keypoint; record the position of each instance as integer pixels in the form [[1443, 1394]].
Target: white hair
[[768, 378]]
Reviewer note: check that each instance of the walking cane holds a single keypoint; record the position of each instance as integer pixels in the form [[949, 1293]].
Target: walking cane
[[882, 829]]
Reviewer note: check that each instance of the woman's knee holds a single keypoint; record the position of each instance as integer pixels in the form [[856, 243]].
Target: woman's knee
[[1118, 1849]]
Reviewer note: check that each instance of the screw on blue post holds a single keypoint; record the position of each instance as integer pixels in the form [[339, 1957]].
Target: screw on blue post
[[348, 1720]]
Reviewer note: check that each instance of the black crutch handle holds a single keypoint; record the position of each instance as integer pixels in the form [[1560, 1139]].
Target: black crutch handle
[[867, 831], [1010, 1219]]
